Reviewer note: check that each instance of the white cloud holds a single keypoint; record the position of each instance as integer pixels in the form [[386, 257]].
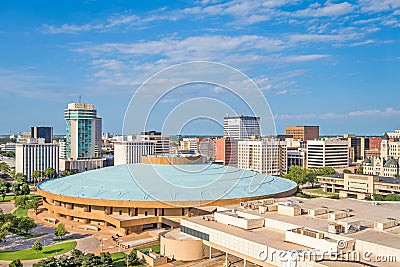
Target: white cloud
[[329, 10], [378, 5], [305, 58], [115, 21], [330, 115], [363, 43]]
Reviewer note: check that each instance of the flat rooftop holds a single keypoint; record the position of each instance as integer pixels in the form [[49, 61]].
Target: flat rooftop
[[261, 235], [363, 211]]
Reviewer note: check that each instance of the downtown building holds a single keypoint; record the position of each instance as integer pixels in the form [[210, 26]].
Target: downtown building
[[226, 151], [303, 132], [35, 154], [263, 156], [242, 127], [130, 149], [387, 164], [83, 138], [42, 132], [327, 153]]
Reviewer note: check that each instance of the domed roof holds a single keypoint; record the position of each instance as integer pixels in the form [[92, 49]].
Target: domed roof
[[151, 182]]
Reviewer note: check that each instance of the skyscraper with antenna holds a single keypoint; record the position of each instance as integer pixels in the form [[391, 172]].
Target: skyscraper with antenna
[[83, 131]]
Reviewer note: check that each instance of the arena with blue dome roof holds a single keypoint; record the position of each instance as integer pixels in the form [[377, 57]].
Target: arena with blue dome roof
[[136, 196]]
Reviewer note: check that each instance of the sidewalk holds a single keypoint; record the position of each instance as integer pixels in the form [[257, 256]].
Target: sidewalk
[[87, 244]]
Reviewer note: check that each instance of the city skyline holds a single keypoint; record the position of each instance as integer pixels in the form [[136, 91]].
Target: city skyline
[[326, 63]]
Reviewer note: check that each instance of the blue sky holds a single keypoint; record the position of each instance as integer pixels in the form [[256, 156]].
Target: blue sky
[[329, 63]]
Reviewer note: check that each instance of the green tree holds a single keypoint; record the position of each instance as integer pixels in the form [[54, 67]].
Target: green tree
[[311, 177], [37, 246], [49, 262], [60, 230], [360, 170], [3, 191], [16, 263], [378, 197], [325, 171], [392, 197], [132, 258], [346, 171], [90, 260], [297, 174], [50, 173], [397, 176], [25, 190], [25, 224], [4, 228], [16, 189], [34, 204], [4, 168], [105, 259], [20, 178], [64, 261], [76, 257], [36, 175], [21, 201]]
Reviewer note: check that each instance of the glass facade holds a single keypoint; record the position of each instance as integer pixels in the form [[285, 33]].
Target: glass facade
[[195, 233], [82, 136]]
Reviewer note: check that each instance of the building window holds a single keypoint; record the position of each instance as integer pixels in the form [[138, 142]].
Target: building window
[[195, 233]]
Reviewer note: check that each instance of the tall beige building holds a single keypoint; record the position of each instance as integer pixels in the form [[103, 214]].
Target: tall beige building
[[303, 132], [264, 156]]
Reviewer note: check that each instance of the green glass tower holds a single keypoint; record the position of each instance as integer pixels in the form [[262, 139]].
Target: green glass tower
[[83, 131]]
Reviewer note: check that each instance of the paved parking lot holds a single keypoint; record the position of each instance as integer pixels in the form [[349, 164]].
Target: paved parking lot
[[47, 237]]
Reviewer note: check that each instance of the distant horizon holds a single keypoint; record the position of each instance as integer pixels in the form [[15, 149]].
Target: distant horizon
[[212, 135], [327, 63]]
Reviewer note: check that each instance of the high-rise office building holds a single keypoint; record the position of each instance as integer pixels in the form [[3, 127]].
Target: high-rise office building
[[42, 132], [35, 154], [357, 146], [303, 132], [327, 153], [242, 127], [264, 156], [83, 131]]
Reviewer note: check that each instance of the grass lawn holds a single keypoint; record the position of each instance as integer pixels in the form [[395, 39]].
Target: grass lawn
[[8, 198], [319, 192], [20, 212], [119, 259], [30, 254]]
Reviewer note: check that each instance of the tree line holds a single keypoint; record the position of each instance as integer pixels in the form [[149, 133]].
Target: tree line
[[301, 175]]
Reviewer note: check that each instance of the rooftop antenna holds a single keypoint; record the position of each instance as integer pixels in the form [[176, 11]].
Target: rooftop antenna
[[79, 98]]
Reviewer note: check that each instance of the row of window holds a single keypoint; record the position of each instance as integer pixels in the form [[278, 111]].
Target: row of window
[[195, 233]]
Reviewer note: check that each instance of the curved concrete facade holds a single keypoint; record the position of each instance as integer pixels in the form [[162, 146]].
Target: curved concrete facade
[[173, 245]]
